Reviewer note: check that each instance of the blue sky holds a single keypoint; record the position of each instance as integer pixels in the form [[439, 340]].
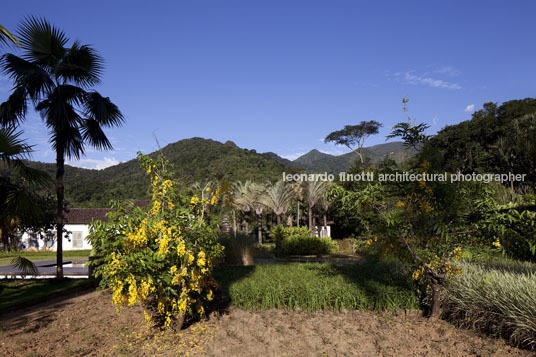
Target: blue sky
[[280, 75]]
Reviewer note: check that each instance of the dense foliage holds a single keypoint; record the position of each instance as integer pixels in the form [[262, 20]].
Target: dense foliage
[[300, 241], [497, 139], [162, 257]]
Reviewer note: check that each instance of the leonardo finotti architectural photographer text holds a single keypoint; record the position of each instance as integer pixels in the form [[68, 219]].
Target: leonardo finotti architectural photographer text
[[369, 176]]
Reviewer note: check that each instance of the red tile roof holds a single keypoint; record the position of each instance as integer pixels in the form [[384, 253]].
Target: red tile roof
[[85, 215]]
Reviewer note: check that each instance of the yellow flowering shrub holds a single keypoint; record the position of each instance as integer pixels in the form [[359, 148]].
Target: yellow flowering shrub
[[160, 256]]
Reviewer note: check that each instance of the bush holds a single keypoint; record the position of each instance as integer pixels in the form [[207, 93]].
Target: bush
[[306, 245], [238, 249], [300, 241], [318, 286], [498, 298], [161, 257]]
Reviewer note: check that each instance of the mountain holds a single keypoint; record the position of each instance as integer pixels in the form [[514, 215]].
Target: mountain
[[316, 161], [198, 160], [194, 160]]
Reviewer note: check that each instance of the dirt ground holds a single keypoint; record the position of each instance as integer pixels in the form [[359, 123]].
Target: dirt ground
[[88, 325]]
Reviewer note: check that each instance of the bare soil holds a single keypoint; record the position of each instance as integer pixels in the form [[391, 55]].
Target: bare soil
[[88, 325]]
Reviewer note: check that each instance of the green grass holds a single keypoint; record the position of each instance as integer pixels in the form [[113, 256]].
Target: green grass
[[497, 297], [314, 286], [20, 293], [6, 257]]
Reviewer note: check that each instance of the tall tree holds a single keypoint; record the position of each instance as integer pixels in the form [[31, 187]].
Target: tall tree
[[240, 200], [354, 136], [314, 191], [57, 80], [279, 197]]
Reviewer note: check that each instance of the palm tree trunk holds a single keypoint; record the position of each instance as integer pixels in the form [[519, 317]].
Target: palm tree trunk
[[278, 219], [234, 222], [259, 228], [298, 216], [310, 212], [60, 170]]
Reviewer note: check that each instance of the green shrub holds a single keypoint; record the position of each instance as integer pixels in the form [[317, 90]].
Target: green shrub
[[318, 286], [498, 298], [306, 245], [280, 233], [300, 241], [238, 249]]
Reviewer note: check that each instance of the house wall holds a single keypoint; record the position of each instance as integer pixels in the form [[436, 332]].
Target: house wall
[[78, 234]]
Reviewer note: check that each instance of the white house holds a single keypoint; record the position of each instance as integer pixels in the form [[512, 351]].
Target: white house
[[77, 222]]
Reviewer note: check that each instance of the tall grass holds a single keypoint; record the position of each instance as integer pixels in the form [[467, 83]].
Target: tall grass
[[314, 286], [498, 298]]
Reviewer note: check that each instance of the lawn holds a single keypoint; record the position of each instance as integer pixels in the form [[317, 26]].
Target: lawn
[[19, 293], [317, 286], [6, 257]]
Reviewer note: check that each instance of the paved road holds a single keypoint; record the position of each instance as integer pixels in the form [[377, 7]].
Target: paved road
[[48, 267]]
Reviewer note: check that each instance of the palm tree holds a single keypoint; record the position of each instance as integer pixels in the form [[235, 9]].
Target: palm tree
[[253, 196], [58, 80], [240, 201], [279, 197], [324, 203], [297, 187], [314, 191]]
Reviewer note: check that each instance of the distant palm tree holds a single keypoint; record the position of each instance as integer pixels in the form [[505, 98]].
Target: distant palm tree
[[279, 197], [297, 187], [314, 191], [324, 204], [253, 196], [58, 80], [239, 201]]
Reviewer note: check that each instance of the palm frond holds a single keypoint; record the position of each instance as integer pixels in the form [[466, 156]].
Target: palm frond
[[69, 141], [32, 175], [94, 135], [25, 74], [102, 110], [12, 147], [24, 265], [6, 37], [44, 44], [82, 65], [20, 202], [13, 110], [58, 113]]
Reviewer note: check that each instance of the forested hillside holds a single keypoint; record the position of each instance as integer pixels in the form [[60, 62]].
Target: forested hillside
[[498, 139], [196, 160]]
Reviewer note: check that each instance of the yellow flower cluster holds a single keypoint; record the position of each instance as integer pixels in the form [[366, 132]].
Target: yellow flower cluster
[[185, 267]]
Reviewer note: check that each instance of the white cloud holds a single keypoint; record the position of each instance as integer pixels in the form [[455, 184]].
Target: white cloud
[[94, 163], [469, 108], [435, 120], [429, 81], [448, 70]]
